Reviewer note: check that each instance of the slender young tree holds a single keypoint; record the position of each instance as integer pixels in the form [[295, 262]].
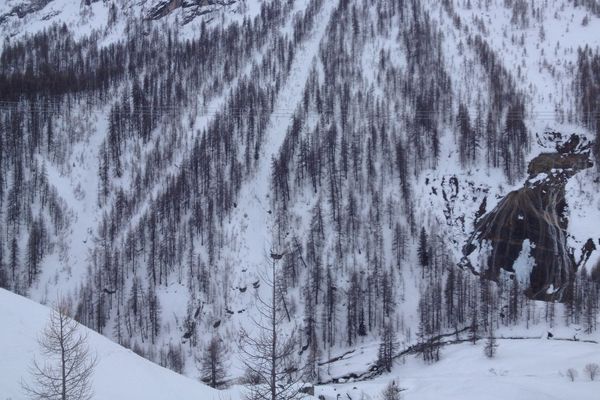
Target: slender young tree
[[491, 345], [68, 367], [388, 347], [423, 251], [268, 354]]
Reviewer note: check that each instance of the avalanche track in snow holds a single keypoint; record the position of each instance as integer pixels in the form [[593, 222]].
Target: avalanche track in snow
[[251, 222]]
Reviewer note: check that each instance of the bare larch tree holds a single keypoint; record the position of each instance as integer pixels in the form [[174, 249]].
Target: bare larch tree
[[68, 366], [268, 353]]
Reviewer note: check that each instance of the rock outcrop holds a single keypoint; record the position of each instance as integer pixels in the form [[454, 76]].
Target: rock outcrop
[[25, 8], [190, 8], [533, 220], [163, 8]]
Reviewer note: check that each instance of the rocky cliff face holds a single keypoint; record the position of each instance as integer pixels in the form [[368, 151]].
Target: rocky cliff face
[[21, 10], [24, 12], [532, 223], [191, 8]]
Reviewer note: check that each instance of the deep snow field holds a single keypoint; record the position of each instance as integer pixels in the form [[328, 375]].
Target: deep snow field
[[522, 370], [120, 374], [532, 369]]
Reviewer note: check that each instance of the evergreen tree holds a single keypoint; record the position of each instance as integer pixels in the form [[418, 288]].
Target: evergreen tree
[[423, 251], [212, 363], [490, 344]]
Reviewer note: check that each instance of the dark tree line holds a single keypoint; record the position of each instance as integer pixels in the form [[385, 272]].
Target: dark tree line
[[587, 92], [591, 5]]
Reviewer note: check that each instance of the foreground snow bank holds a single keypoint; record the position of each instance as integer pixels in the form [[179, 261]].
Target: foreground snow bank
[[523, 370], [120, 374]]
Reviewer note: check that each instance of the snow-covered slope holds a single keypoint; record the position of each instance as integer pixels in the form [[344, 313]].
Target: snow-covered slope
[[522, 370], [330, 131], [119, 375], [538, 46], [532, 369]]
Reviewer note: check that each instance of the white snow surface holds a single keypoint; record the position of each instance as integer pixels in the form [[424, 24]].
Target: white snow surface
[[524, 264], [530, 369], [120, 374]]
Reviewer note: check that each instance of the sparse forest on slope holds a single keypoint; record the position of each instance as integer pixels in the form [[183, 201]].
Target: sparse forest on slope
[[149, 168]]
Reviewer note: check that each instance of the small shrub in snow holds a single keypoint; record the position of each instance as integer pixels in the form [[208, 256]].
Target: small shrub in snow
[[391, 392], [592, 370], [585, 21], [572, 374]]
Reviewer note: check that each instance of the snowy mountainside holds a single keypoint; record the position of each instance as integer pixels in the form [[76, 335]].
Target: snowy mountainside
[[357, 139], [538, 47], [18, 17], [120, 373]]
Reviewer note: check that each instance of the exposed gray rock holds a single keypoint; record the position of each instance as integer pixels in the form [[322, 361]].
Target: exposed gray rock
[[191, 8], [24, 9], [196, 8], [163, 8], [536, 212]]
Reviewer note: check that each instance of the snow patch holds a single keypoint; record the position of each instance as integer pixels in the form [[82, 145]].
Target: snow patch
[[524, 264]]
